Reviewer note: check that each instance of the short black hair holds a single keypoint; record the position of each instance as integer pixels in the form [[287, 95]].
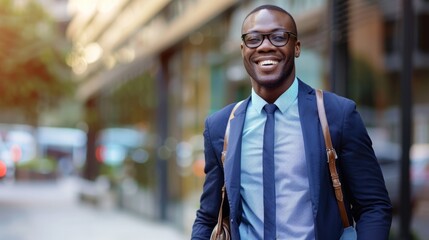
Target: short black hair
[[274, 8]]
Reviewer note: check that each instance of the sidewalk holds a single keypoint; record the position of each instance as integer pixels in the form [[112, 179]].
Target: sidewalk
[[51, 211]]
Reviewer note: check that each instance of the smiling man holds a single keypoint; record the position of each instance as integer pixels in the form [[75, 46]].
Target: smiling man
[[275, 172]]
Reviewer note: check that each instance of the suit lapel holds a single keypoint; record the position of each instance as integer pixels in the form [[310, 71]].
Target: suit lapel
[[310, 129]]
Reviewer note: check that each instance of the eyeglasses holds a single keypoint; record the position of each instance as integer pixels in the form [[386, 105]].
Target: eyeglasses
[[277, 38]]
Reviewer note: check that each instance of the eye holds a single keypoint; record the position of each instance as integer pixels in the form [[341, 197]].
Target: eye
[[253, 38], [278, 36]]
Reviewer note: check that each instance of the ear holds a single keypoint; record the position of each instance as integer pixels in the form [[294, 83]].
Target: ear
[[241, 47], [297, 48]]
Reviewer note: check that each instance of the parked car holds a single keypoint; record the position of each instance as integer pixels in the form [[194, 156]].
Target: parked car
[[22, 145], [17, 146], [66, 146], [7, 164], [114, 145]]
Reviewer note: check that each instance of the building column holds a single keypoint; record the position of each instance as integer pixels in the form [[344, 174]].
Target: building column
[[92, 166], [407, 34], [161, 192]]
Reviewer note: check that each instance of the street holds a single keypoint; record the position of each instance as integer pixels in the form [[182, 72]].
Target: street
[[50, 210]]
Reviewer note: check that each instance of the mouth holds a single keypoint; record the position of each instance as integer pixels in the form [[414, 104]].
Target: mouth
[[267, 63]]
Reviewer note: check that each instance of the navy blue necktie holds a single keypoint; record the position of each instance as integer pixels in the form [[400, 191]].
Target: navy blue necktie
[[268, 175]]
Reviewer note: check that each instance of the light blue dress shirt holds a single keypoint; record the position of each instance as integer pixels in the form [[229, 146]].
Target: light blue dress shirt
[[293, 204]]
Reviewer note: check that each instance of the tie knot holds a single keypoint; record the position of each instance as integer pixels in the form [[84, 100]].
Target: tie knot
[[270, 108]]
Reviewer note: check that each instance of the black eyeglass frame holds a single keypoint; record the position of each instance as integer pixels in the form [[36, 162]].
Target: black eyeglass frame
[[268, 36]]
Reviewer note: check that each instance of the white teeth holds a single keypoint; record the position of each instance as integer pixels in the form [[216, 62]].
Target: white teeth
[[268, 62]]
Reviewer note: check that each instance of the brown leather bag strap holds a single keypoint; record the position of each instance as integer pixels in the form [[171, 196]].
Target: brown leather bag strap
[[225, 139], [332, 155], [225, 146]]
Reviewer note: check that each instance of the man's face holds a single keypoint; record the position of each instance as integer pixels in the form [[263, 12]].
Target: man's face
[[267, 65]]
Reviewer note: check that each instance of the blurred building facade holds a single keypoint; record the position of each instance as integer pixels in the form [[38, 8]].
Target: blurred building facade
[[162, 66]]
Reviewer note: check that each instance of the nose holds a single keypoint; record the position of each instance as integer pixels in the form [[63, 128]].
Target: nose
[[266, 43]]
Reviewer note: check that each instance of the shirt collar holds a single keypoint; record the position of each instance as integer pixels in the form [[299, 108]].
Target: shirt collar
[[283, 102]]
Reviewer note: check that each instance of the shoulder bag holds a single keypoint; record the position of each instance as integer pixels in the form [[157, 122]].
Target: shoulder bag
[[349, 231]]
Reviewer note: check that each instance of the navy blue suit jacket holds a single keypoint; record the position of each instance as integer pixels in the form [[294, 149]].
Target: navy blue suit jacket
[[362, 180]]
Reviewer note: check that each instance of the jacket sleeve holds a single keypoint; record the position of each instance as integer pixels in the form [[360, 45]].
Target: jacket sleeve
[[361, 176], [207, 214]]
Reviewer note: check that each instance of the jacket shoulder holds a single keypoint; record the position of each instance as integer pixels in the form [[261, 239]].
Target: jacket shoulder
[[222, 114], [335, 102], [216, 122]]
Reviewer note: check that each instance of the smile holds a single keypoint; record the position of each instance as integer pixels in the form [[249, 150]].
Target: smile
[[268, 63]]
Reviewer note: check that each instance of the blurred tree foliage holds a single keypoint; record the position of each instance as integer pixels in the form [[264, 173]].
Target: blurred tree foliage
[[33, 73]]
